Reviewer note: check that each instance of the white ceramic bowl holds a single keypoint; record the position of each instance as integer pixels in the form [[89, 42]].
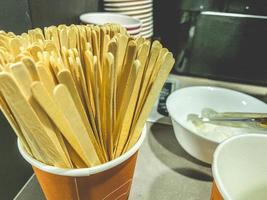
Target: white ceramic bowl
[[192, 100], [105, 17]]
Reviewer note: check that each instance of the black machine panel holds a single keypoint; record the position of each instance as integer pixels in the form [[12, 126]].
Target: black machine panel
[[227, 46]]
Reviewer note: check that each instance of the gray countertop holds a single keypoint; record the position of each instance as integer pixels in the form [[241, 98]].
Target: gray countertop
[[164, 171]]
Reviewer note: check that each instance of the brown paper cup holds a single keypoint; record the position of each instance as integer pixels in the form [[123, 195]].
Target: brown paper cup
[[109, 181], [215, 194]]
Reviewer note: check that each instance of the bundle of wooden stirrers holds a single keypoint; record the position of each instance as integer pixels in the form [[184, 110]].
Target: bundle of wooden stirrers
[[78, 96]]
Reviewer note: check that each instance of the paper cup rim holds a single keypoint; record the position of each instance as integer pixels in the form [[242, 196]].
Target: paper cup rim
[[84, 171], [215, 172]]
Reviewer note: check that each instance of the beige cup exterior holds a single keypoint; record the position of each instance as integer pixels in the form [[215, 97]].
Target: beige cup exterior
[[109, 181], [239, 167]]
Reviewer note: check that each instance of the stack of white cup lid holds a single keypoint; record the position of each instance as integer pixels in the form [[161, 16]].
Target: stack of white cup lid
[[139, 9], [133, 25]]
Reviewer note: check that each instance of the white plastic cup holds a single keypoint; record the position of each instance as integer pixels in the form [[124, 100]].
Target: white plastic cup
[[240, 168]]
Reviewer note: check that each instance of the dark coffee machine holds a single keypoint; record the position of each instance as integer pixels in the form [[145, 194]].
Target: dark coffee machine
[[222, 40]]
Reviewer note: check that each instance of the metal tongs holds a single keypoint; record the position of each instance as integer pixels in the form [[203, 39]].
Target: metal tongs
[[232, 119]]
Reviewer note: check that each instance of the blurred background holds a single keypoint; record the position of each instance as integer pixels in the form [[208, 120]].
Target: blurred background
[[221, 40]]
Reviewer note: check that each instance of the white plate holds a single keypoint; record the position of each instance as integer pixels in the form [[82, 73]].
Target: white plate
[[127, 3], [147, 34], [143, 16], [147, 20], [125, 9], [135, 35], [136, 12], [134, 32], [147, 24], [103, 18], [118, 1], [148, 28]]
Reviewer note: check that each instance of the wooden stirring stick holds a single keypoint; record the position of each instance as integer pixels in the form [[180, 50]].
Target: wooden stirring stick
[[98, 87], [139, 41], [128, 119], [107, 102], [97, 31], [153, 93], [41, 145], [51, 47], [65, 78], [14, 124], [96, 50], [148, 70], [14, 45], [113, 49], [162, 55], [89, 76], [128, 62], [76, 159], [22, 76], [67, 105], [63, 36], [47, 33], [55, 37], [4, 42], [72, 38], [88, 34], [28, 62], [163, 52], [58, 117], [87, 100], [131, 94], [83, 85], [122, 46], [38, 34], [102, 44], [34, 49], [45, 78]]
